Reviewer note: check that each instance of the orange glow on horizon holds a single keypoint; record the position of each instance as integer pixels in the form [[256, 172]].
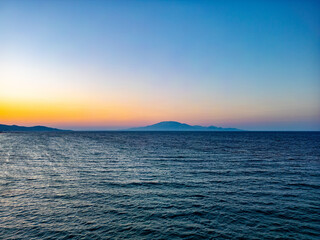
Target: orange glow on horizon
[[62, 113]]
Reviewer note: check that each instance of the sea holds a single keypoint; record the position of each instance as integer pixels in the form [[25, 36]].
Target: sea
[[160, 185]]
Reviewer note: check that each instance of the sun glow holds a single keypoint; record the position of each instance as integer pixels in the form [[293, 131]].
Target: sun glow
[[115, 70]]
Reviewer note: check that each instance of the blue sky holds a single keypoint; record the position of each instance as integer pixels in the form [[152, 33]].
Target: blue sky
[[247, 64]]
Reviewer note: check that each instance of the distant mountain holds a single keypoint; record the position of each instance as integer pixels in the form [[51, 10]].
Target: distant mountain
[[15, 128], [176, 126]]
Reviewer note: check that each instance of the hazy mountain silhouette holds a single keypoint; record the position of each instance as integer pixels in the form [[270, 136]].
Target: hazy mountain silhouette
[[15, 128], [176, 126]]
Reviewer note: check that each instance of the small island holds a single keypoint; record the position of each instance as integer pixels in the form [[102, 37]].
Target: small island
[[177, 126]]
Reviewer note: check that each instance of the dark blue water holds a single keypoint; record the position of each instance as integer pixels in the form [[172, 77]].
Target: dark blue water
[[119, 185]]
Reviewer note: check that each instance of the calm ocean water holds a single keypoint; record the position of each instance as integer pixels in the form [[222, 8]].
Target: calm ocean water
[[148, 185]]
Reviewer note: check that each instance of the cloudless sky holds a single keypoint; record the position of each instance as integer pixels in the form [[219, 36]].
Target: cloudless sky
[[113, 64]]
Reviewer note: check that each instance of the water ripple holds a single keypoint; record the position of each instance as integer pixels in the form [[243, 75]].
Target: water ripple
[[119, 185]]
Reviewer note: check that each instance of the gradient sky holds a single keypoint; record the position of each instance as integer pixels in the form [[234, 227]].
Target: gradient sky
[[254, 65]]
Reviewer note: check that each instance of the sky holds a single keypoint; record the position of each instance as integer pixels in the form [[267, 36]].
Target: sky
[[99, 65]]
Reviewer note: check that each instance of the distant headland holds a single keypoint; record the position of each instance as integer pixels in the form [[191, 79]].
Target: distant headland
[[177, 126], [15, 128]]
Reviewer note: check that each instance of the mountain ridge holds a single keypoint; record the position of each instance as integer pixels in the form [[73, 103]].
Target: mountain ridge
[[177, 126]]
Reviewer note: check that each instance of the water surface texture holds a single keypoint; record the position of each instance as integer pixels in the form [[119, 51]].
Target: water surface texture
[[160, 185]]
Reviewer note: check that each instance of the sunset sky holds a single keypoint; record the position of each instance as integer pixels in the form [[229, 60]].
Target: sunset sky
[[99, 65]]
